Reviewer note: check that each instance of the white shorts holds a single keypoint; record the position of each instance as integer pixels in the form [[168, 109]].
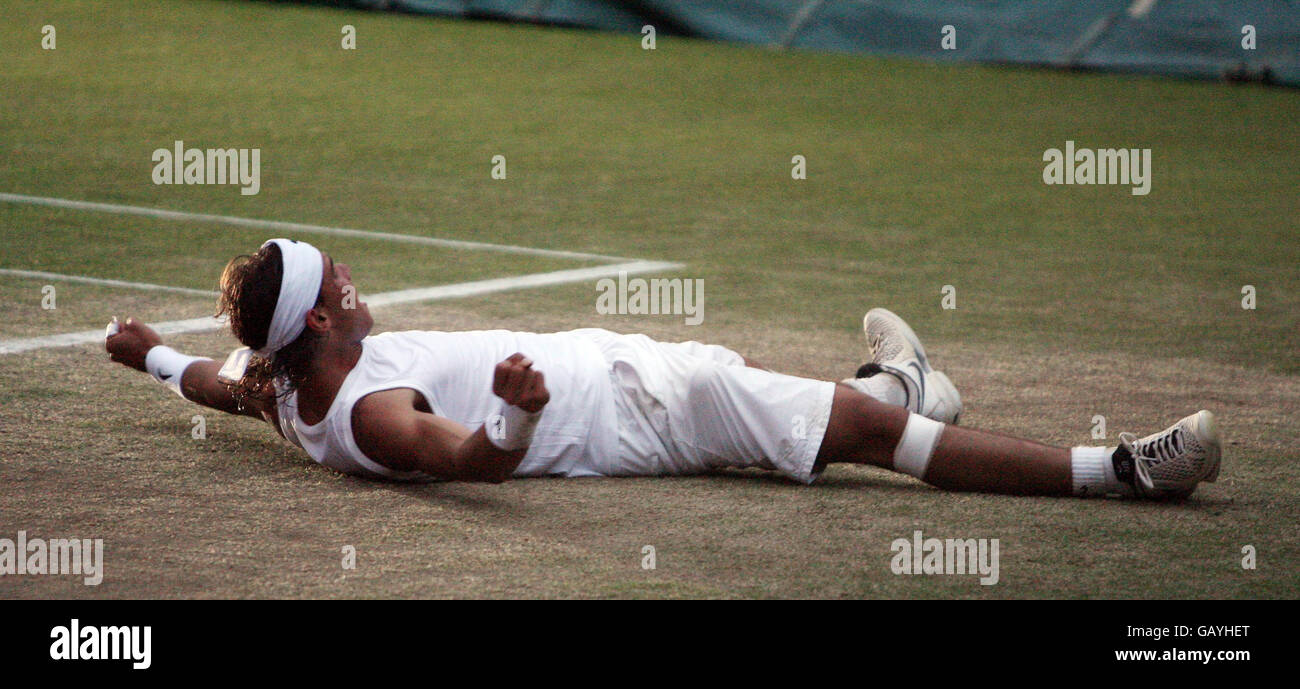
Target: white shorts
[[691, 408]]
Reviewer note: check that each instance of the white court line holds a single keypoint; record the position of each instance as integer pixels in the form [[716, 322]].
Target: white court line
[[104, 281], [559, 277], [463, 289], [301, 227]]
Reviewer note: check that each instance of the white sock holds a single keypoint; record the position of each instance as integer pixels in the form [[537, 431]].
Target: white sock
[[920, 437], [1093, 473], [882, 387]]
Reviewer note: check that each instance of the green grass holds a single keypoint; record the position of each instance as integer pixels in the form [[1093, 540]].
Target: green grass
[[919, 176], [192, 254]]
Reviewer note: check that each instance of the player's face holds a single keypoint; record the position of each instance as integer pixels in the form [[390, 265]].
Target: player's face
[[344, 300]]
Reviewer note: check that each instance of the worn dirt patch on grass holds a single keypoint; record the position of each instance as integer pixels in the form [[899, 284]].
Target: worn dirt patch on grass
[[94, 451]]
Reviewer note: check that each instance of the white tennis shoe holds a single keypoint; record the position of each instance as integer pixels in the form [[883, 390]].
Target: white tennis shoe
[[1170, 463], [894, 349]]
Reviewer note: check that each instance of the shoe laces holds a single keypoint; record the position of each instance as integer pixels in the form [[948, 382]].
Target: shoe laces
[[1141, 468], [876, 341], [873, 341], [1164, 446]]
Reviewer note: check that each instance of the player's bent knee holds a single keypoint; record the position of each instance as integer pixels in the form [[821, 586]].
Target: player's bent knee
[[868, 413]]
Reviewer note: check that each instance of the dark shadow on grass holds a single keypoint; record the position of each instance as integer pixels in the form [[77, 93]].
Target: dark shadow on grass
[[436, 491], [837, 483], [289, 462]]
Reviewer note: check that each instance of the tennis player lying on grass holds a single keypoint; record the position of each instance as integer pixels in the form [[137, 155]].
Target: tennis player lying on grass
[[489, 405]]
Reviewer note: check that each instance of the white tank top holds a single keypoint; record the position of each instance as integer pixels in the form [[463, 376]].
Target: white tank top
[[453, 371]]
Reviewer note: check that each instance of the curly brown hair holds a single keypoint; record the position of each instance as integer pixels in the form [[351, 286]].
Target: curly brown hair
[[249, 290]]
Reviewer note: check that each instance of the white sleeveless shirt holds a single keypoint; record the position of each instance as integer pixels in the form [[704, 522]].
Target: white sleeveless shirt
[[453, 372]]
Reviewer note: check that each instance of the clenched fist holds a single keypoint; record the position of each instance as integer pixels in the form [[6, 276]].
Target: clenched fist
[[519, 384], [131, 343]]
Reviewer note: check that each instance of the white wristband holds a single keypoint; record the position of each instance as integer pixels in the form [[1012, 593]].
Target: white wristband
[[167, 366], [512, 428]]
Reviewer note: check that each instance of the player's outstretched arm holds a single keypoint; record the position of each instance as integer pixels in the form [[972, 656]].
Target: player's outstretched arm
[[131, 345], [391, 430]]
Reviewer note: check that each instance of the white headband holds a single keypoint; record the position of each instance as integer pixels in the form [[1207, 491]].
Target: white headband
[[299, 288]]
